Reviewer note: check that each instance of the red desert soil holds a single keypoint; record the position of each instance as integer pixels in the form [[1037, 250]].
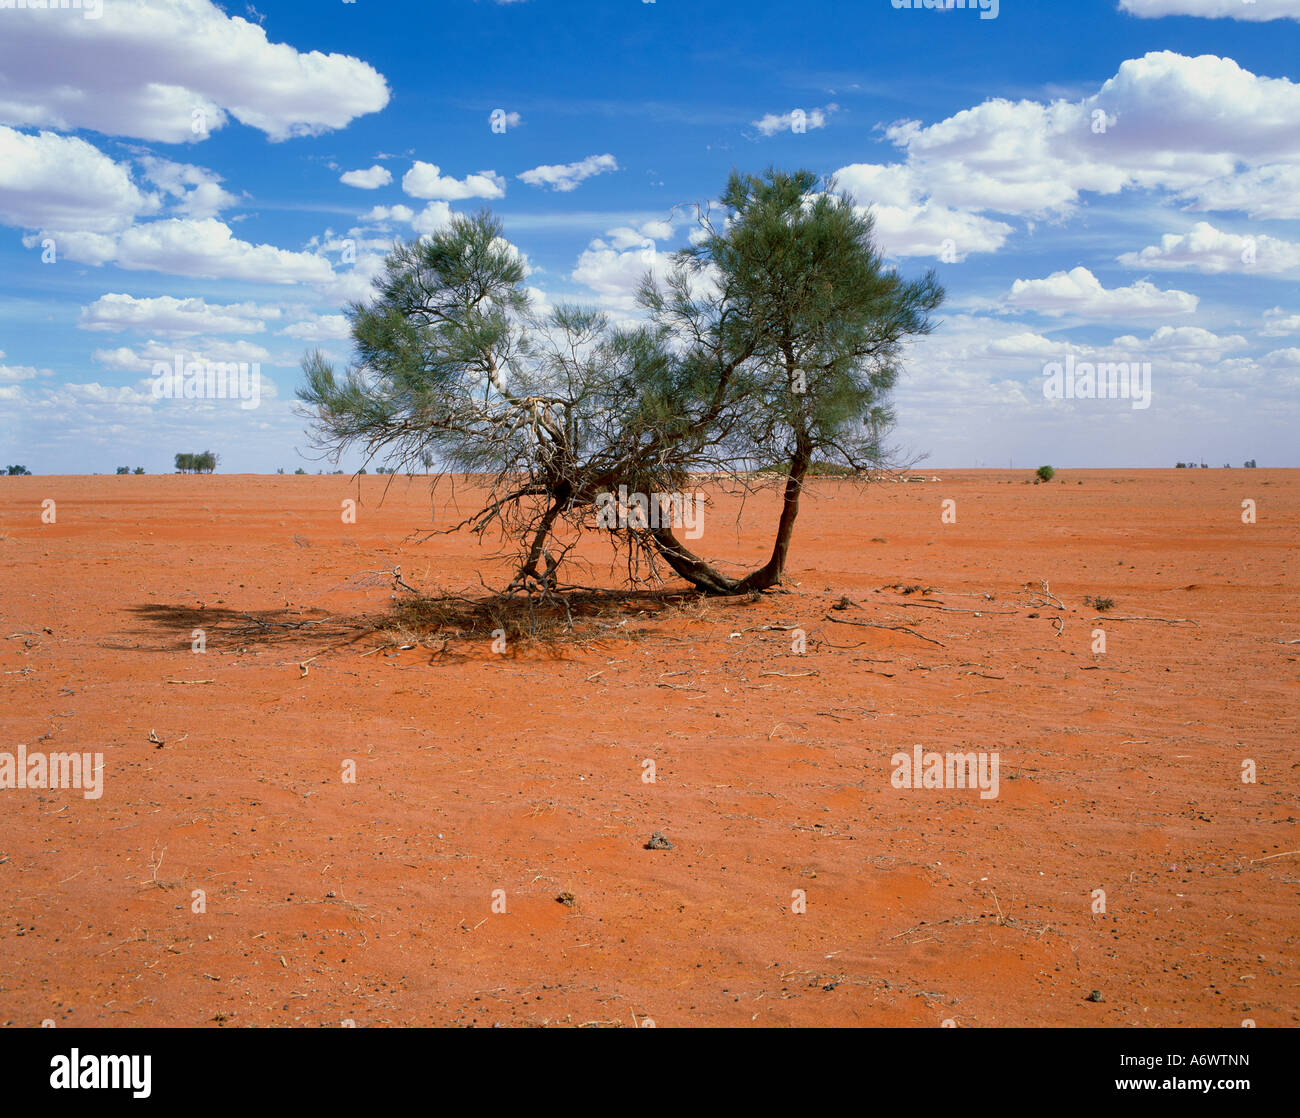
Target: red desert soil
[[372, 901]]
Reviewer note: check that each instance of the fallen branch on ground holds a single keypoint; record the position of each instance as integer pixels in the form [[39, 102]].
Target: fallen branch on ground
[[897, 628], [1166, 620]]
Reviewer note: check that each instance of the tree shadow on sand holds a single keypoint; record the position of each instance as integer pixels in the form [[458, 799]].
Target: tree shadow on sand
[[450, 626]]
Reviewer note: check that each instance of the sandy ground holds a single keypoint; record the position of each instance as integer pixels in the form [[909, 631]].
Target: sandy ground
[[231, 875]]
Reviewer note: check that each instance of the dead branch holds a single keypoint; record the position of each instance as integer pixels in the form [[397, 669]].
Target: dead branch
[[897, 628]]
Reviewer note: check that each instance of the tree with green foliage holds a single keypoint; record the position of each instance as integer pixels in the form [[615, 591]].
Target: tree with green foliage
[[203, 463], [771, 344]]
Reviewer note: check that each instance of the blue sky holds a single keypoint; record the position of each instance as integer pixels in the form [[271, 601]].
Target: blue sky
[[1116, 180]]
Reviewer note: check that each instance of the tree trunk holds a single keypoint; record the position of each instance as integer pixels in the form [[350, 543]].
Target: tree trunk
[[712, 581]]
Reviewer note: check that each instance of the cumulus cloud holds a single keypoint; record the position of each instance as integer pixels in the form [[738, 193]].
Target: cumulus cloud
[[11, 374], [62, 182], [1270, 192], [1277, 324], [168, 315], [146, 66], [1190, 343], [371, 179], [141, 359], [198, 191], [1210, 250], [614, 274], [564, 177], [1285, 358], [1164, 121], [425, 180], [206, 249], [1256, 10], [434, 216], [388, 213], [1079, 292]]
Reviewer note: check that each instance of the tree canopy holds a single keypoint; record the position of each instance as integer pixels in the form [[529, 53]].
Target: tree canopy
[[771, 345]]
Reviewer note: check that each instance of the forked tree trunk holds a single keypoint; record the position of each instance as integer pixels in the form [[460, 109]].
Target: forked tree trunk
[[704, 576]]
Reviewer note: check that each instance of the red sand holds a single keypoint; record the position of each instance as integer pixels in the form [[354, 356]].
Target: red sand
[[373, 901]]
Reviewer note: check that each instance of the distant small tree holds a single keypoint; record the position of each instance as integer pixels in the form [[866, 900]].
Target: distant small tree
[[138, 470], [1180, 466], [299, 470], [1045, 473], [123, 469], [203, 463], [18, 471]]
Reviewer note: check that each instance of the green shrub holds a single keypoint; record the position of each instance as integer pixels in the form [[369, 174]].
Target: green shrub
[[1046, 473]]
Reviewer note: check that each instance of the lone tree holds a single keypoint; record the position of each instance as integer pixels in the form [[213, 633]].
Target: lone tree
[[770, 346]]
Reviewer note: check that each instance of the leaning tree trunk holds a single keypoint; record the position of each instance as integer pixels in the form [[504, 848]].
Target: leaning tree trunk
[[704, 576]]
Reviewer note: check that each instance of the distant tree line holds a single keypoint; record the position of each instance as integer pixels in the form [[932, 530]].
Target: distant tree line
[[1248, 465], [203, 463], [18, 471]]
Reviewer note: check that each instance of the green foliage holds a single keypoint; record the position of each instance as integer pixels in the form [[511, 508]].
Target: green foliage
[[772, 343], [203, 463], [18, 471], [1045, 473]]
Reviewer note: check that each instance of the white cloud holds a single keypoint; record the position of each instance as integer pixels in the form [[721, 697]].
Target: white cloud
[[1256, 10], [564, 177], [1210, 250], [879, 184], [199, 191], [425, 180], [61, 182], [207, 249], [657, 230], [930, 229], [796, 120], [210, 250], [1190, 343], [389, 213], [1079, 292], [1277, 324], [145, 66], [433, 217], [319, 328], [168, 315], [11, 374], [615, 274], [372, 179], [1163, 122], [624, 237], [1270, 192], [142, 358]]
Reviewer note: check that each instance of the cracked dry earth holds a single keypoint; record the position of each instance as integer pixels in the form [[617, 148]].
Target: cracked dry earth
[[230, 875]]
